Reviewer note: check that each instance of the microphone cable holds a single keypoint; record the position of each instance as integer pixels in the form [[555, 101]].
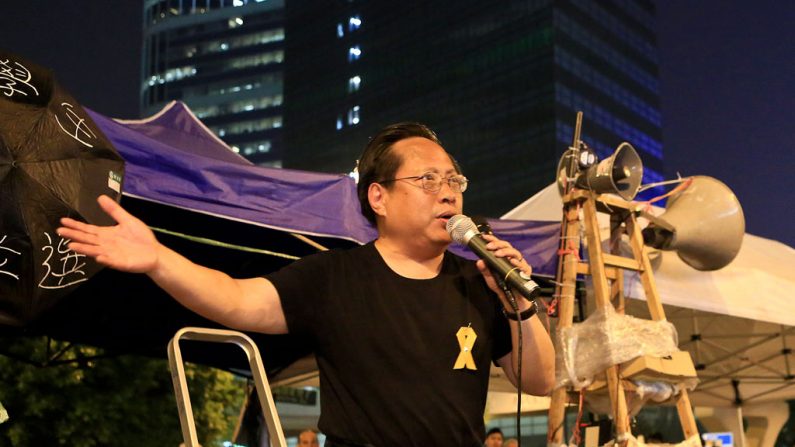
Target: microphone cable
[[484, 227], [515, 307]]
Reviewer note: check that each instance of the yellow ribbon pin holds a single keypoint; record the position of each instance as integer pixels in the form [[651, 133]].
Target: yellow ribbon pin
[[466, 339]]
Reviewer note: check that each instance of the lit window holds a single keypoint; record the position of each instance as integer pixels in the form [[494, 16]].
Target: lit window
[[221, 132], [237, 3], [224, 46], [340, 31], [236, 149], [354, 53], [354, 83], [353, 116], [354, 23], [173, 74], [339, 122]]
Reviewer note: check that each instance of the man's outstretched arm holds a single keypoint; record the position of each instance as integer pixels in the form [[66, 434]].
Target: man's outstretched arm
[[245, 304]]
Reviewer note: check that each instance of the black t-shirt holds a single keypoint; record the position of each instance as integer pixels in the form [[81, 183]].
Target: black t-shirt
[[386, 346]]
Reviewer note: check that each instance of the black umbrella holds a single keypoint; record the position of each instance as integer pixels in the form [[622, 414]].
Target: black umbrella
[[54, 162]]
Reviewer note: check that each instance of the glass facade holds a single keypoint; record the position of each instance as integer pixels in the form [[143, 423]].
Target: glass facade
[[225, 60], [500, 83], [607, 66]]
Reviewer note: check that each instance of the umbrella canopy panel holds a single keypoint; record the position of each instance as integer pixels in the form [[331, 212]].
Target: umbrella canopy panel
[[54, 162], [127, 313]]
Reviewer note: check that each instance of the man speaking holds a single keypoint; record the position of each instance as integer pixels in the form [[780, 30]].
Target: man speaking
[[403, 330]]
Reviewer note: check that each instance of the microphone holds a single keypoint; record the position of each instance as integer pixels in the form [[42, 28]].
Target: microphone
[[465, 232], [482, 224]]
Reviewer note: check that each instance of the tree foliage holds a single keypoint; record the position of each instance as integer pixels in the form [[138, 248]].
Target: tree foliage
[[112, 401]]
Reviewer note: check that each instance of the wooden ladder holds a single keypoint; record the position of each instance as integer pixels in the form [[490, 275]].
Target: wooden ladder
[[603, 267]]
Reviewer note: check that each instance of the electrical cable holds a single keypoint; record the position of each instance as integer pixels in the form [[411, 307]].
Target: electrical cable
[[515, 307]]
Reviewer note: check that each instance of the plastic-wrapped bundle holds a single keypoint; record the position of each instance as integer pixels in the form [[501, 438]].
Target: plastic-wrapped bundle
[[607, 338], [643, 392]]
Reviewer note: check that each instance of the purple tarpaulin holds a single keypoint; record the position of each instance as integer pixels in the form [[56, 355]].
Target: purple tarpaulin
[[172, 158]]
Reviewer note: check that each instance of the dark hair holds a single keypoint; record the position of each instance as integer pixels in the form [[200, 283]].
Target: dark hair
[[494, 430], [378, 162]]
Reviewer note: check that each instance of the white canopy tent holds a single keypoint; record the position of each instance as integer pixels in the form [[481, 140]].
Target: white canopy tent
[[759, 284]]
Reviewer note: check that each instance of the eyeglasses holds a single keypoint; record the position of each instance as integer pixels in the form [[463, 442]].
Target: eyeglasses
[[432, 181]]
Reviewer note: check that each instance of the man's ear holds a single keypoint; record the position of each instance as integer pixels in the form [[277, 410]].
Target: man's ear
[[377, 196]]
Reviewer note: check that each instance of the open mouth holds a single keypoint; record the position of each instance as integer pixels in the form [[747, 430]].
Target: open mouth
[[446, 216]]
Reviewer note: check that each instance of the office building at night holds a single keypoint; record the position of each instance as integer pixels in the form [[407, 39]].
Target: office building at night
[[499, 82], [225, 60]]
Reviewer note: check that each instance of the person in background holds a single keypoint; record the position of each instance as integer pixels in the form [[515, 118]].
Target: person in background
[[511, 442], [493, 438], [308, 438]]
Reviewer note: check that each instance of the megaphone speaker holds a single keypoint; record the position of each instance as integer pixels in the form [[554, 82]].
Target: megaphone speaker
[[705, 225], [620, 174]]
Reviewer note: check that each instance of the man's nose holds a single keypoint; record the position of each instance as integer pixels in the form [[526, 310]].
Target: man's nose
[[446, 193]]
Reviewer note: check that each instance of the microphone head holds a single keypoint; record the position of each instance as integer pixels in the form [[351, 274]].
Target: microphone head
[[461, 228]]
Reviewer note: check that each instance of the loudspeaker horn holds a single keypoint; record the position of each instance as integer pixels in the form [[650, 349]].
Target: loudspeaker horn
[[620, 174], [704, 223]]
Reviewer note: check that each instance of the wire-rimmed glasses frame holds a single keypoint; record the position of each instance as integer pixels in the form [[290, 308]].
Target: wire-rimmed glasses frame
[[432, 182]]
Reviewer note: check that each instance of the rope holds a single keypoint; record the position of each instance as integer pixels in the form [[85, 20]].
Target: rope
[[213, 242], [680, 187], [576, 437]]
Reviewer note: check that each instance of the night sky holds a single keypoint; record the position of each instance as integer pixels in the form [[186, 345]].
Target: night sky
[[727, 77], [728, 90]]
